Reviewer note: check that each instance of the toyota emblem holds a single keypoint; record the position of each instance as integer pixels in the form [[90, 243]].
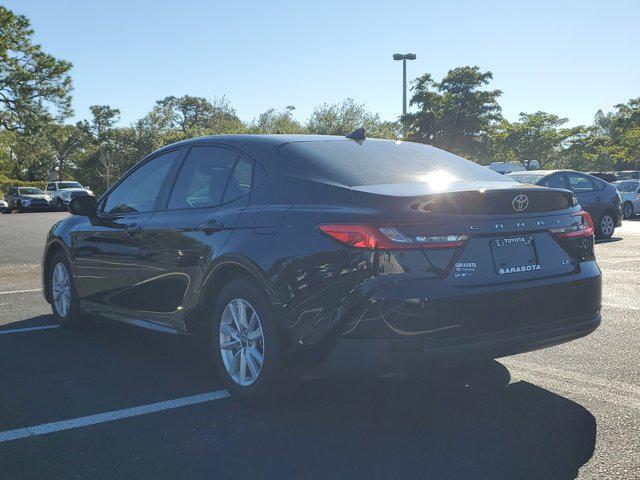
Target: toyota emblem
[[520, 203]]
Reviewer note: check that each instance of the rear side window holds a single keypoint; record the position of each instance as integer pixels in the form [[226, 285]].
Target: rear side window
[[579, 183], [204, 176], [376, 162], [554, 181], [240, 181]]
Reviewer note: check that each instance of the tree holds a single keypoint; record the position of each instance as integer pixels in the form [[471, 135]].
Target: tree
[[455, 113], [192, 116], [273, 121], [101, 165], [536, 136], [66, 142], [343, 118], [34, 86]]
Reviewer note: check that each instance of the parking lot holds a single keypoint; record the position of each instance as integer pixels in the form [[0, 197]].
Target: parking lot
[[111, 401]]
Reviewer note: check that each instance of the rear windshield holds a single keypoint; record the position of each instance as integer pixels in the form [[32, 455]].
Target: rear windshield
[[69, 185], [377, 162], [527, 177], [626, 186]]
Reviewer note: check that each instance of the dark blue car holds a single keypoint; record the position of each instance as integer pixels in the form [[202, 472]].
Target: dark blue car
[[599, 198]]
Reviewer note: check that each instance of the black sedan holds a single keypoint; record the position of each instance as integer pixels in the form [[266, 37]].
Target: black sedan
[[596, 196], [303, 253]]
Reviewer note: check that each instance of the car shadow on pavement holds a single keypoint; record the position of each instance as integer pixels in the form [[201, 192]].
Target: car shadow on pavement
[[449, 425], [608, 240], [438, 428]]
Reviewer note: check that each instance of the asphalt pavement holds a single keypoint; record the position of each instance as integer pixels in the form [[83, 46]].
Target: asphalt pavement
[[112, 401]]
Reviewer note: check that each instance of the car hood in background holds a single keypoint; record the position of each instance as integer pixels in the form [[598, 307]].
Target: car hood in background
[[34, 196], [74, 189]]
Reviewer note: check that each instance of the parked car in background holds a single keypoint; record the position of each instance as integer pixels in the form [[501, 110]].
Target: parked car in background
[[629, 175], [26, 199], [64, 192], [289, 253], [606, 176], [630, 194], [3, 206], [599, 198]]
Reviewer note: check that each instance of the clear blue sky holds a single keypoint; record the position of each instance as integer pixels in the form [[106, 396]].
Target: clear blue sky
[[564, 57]]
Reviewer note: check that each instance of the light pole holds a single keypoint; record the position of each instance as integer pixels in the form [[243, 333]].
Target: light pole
[[404, 58]]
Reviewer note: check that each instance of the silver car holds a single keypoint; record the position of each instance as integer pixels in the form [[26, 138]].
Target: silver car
[[630, 195]]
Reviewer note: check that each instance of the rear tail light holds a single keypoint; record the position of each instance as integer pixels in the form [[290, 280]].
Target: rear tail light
[[583, 228], [387, 238]]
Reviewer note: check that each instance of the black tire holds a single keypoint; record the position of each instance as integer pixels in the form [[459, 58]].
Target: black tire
[[627, 210], [60, 204], [274, 381], [74, 316], [603, 231]]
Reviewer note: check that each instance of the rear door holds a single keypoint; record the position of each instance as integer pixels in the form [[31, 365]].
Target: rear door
[[107, 248], [585, 190], [196, 221]]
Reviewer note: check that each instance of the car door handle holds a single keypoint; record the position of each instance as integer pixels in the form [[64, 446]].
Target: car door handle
[[132, 230], [210, 227]]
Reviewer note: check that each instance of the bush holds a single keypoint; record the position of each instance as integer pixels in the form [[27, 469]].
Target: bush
[[6, 183]]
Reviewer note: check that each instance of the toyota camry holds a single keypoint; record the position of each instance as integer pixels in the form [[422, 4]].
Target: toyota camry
[[293, 254]]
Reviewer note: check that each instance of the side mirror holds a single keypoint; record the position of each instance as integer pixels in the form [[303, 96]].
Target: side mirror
[[85, 205]]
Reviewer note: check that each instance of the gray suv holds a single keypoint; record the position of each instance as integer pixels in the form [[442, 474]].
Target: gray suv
[[599, 198]]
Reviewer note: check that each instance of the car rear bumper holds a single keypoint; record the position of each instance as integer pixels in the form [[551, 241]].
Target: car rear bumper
[[398, 329], [410, 354]]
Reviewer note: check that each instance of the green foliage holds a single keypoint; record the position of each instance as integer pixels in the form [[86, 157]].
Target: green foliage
[[343, 118], [455, 113], [275, 122], [34, 86], [6, 183], [536, 136]]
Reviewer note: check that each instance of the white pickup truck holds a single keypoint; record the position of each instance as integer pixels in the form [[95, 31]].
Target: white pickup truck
[[64, 192]]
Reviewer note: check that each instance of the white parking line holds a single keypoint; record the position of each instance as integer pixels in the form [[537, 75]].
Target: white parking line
[[28, 329], [105, 417], [21, 291]]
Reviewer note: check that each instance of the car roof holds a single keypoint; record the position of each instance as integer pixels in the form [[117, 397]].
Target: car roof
[[257, 139]]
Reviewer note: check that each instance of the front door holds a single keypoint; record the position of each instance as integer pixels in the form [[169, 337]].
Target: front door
[[107, 250], [200, 214]]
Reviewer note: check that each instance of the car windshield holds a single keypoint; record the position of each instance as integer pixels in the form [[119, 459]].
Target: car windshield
[[377, 162], [29, 191], [627, 186], [69, 185], [527, 177]]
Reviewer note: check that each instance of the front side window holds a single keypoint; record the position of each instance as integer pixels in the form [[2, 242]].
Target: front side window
[[138, 192], [205, 176], [627, 187], [578, 183]]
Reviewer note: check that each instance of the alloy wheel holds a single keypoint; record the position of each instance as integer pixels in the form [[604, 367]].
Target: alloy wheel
[[606, 225], [627, 210], [61, 289], [241, 342]]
